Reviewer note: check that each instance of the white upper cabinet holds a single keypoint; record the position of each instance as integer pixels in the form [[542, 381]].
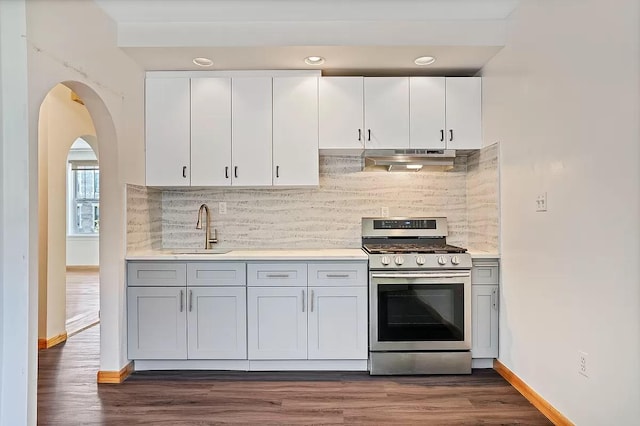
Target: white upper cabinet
[[167, 132], [251, 152], [341, 113], [464, 113], [295, 131], [427, 109], [210, 131], [386, 112]]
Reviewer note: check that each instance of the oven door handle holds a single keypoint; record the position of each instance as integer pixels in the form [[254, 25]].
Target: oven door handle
[[422, 275]]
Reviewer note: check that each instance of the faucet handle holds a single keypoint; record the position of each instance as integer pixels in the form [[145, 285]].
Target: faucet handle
[[214, 240]]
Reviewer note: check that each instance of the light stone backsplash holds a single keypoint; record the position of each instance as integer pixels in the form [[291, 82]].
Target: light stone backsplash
[[144, 218], [327, 216], [482, 200]]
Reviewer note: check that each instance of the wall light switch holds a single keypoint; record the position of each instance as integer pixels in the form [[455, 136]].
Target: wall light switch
[[384, 211], [222, 207], [541, 202]]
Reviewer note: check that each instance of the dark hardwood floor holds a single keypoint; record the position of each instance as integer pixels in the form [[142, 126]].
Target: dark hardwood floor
[[68, 395], [83, 300]]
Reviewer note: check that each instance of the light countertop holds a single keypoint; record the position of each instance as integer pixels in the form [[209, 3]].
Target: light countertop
[[479, 254], [249, 255]]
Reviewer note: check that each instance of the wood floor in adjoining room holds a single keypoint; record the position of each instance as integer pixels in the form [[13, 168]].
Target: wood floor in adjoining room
[[83, 300], [68, 395]]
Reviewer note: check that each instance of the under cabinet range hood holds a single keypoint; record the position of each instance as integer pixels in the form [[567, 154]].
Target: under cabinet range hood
[[406, 160]]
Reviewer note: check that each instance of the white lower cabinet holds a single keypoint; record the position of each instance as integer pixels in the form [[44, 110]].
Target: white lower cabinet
[[336, 329], [485, 305], [485, 321], [214, 315], [277, 322], [307, 323], [157, 326], [217, 325]]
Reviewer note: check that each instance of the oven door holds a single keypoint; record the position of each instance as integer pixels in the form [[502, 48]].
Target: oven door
[[420, 310]]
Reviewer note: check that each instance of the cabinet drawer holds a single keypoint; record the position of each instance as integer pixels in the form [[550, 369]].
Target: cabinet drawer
[[216, 273], [338, 274], [277, 274], [484, 274], [156, 274]]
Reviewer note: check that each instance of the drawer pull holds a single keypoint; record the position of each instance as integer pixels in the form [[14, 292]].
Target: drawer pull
[[312, 300], [181, 300], [277, 275], [337, 275], [303, 301]]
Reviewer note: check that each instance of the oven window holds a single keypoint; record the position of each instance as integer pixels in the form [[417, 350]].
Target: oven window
[[420, 312]]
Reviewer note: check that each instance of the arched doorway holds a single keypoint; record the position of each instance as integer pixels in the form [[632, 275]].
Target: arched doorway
[[63, 119], [112, 229]]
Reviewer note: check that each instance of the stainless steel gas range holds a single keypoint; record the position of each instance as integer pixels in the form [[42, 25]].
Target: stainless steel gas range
[[419, 296]]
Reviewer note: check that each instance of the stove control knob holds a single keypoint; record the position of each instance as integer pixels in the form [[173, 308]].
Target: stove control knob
[[442, 260], [399, 260], [385, 260], [420, 260], [455, 260]]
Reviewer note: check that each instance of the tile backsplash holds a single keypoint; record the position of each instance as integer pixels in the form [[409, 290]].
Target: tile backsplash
[[327, 216]]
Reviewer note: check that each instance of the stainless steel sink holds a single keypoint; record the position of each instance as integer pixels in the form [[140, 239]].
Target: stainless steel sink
[[199, 251]]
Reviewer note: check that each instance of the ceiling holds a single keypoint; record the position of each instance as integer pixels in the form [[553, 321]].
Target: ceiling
[[365, 37]]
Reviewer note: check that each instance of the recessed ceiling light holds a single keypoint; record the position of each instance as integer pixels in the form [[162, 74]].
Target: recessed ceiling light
[[314, 60], [424, 60], [203, 62]]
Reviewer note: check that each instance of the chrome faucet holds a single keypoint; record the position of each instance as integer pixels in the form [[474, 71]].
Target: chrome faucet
[[207, 226]]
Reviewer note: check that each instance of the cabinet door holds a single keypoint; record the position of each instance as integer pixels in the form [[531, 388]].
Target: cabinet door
[[338, 323], [386, 112], [464, 113], [251, 150], [484, 312], [295, 131], [341, 112], [427, 118], [157, 323], [217, 323], [167, 131], [277, 322], [210, 131]]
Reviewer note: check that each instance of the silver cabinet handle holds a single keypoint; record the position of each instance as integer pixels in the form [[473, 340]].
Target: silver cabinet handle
[[190, 300], [494, 298], [181, 300], [311, 300], [184, 172], [277, 171], [359, 134], [441, 135], [369, 134], [277, 275], [226, 172], [235, 171], [303, 301], [450, 135], [337, 275]]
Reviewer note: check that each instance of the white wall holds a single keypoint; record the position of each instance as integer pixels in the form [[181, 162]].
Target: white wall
[[84, 55], [18, 248], [562, 98], [72, 42]]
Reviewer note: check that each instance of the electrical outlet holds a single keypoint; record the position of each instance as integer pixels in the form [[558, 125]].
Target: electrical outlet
[[541, 202], [583, 364], [384, 212], [222, 207]]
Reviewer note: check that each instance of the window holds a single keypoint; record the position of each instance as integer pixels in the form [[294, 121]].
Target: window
[[85, 197]]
